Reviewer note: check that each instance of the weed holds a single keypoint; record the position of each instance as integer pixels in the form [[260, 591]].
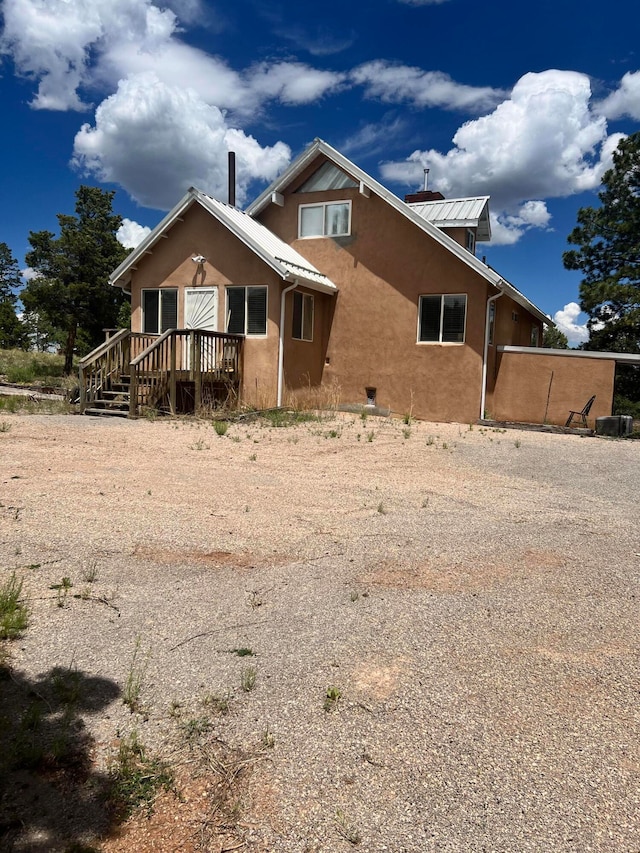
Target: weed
[[517, 443], [363, 416], [175, 709], [268, 739], [355, 595], [334, 433], [235, 438], [248, 678], [90, 574], [200, 444], [135, 677], [430, 441], [381, 509], [331, 698], [218, 704], [406, 419], [221, 427], [370, 435], [346, 829], [425, 503], [406, 432], [136, 777], [14, 616], [67, 686], [243, 652], [5, 426], [195, 727], [63, 588], [445, 446], [255, 599], [253, 457]]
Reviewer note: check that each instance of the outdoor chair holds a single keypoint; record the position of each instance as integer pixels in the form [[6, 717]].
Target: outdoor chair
[[583, 414]]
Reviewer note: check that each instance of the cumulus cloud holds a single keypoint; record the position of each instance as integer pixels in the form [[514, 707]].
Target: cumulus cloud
[[508, 228], [625, 101], [292, 82], [544, 141], [157, 140], [130, 234], [394, 83], [566, 321]]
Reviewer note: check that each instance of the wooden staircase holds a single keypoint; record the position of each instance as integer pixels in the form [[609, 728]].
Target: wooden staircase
[[112, 401]]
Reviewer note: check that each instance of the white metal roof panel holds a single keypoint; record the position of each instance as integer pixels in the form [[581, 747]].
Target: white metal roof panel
[[456, 213]]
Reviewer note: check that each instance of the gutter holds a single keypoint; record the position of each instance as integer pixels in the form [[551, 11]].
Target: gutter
[[485, 353], [281, 341]]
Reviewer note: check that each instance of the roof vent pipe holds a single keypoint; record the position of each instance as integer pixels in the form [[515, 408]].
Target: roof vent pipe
[[232, 178]]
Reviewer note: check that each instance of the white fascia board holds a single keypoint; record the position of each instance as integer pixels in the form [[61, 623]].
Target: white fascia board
[[318, 146], [620, 357], [121, 276]]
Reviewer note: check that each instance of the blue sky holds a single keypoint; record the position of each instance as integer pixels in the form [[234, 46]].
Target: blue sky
[[147, 98]]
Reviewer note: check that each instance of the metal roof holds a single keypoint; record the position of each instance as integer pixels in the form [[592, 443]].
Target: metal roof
[[319, 147], [282, 258], [457, 213]]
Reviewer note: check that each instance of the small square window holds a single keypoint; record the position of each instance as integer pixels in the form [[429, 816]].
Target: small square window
[[441, 319], [328, 219]]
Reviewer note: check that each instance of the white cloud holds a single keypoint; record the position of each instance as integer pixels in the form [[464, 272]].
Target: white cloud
[[394, 83], [542, 142], [292, 82], [28, 274], [625, 101], [566, 321], [130, 234], [157, 140], [508, 228]]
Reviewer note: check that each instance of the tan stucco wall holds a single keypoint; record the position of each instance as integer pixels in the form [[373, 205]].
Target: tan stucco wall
[[381, 269], [229, 261], [526, 381]]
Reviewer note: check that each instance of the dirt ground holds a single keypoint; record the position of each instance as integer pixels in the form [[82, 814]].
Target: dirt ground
[[343, 633]]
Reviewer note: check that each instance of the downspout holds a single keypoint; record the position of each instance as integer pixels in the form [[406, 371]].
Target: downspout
[[281, 341], [485, 354]]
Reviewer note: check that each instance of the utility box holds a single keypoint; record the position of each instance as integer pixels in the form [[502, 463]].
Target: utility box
[[614, 425]]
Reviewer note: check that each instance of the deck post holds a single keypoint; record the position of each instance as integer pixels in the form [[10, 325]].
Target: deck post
[[198, 376], [83, 390], [172, 376], [133, 393]]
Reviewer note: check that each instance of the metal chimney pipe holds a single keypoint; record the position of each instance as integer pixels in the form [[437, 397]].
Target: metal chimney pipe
[[232, 178]]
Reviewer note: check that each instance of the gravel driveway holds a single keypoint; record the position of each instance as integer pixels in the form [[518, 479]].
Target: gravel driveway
[[442, 621]]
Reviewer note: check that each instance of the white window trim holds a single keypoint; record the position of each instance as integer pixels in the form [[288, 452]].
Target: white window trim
[[471, 241], [440, 342], [304, 296], [246, 313], [158, 290], [323, 205]]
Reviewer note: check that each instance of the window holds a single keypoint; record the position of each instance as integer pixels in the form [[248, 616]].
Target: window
[[441, 319], [535, 336], [247, 310], [159, 310], [492, 320], [471, 241], [302, 316], [331, 219]]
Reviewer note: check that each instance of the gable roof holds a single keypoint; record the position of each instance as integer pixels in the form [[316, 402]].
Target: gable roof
[[318, 146], [457, 213], [287, 263]]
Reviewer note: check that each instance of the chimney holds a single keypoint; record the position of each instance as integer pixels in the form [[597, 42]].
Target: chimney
[[423, 195], [232, 178]]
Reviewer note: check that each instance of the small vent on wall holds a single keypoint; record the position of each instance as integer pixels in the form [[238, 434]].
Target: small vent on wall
[[371, 396]]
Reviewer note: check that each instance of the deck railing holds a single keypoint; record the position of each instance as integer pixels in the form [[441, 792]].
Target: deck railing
[[183, 355], [155, 364]]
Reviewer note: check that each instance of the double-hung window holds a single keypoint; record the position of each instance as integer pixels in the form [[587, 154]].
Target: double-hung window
[[247, 310], [441, 319], [302, 316], [159, 310], [327, 219]]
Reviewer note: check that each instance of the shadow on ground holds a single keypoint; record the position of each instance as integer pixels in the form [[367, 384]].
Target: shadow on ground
[[51, 797]]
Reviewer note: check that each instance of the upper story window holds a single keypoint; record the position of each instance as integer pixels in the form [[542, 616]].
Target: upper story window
[[247, 310], [492, 321], [535, 336], [302, 316], [159, 310], [441, 319], [327, 219], [471, 241]]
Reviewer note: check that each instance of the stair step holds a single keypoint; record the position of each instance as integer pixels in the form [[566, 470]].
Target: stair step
[[117, 413], [111, 395]]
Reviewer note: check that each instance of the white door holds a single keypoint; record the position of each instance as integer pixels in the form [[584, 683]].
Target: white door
[[201, 312]]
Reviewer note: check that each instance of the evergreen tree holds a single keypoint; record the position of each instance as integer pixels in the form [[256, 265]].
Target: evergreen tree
[[71, 290], [553, 338], [12, 331], [608, 255]]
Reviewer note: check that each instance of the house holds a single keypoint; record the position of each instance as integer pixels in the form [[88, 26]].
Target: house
[[328, 280]]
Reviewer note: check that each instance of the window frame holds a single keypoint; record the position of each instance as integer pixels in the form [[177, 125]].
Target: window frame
[[246, 288], [160, 291], [442, 297], [305, 297], [471, 241], [324, 205]]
